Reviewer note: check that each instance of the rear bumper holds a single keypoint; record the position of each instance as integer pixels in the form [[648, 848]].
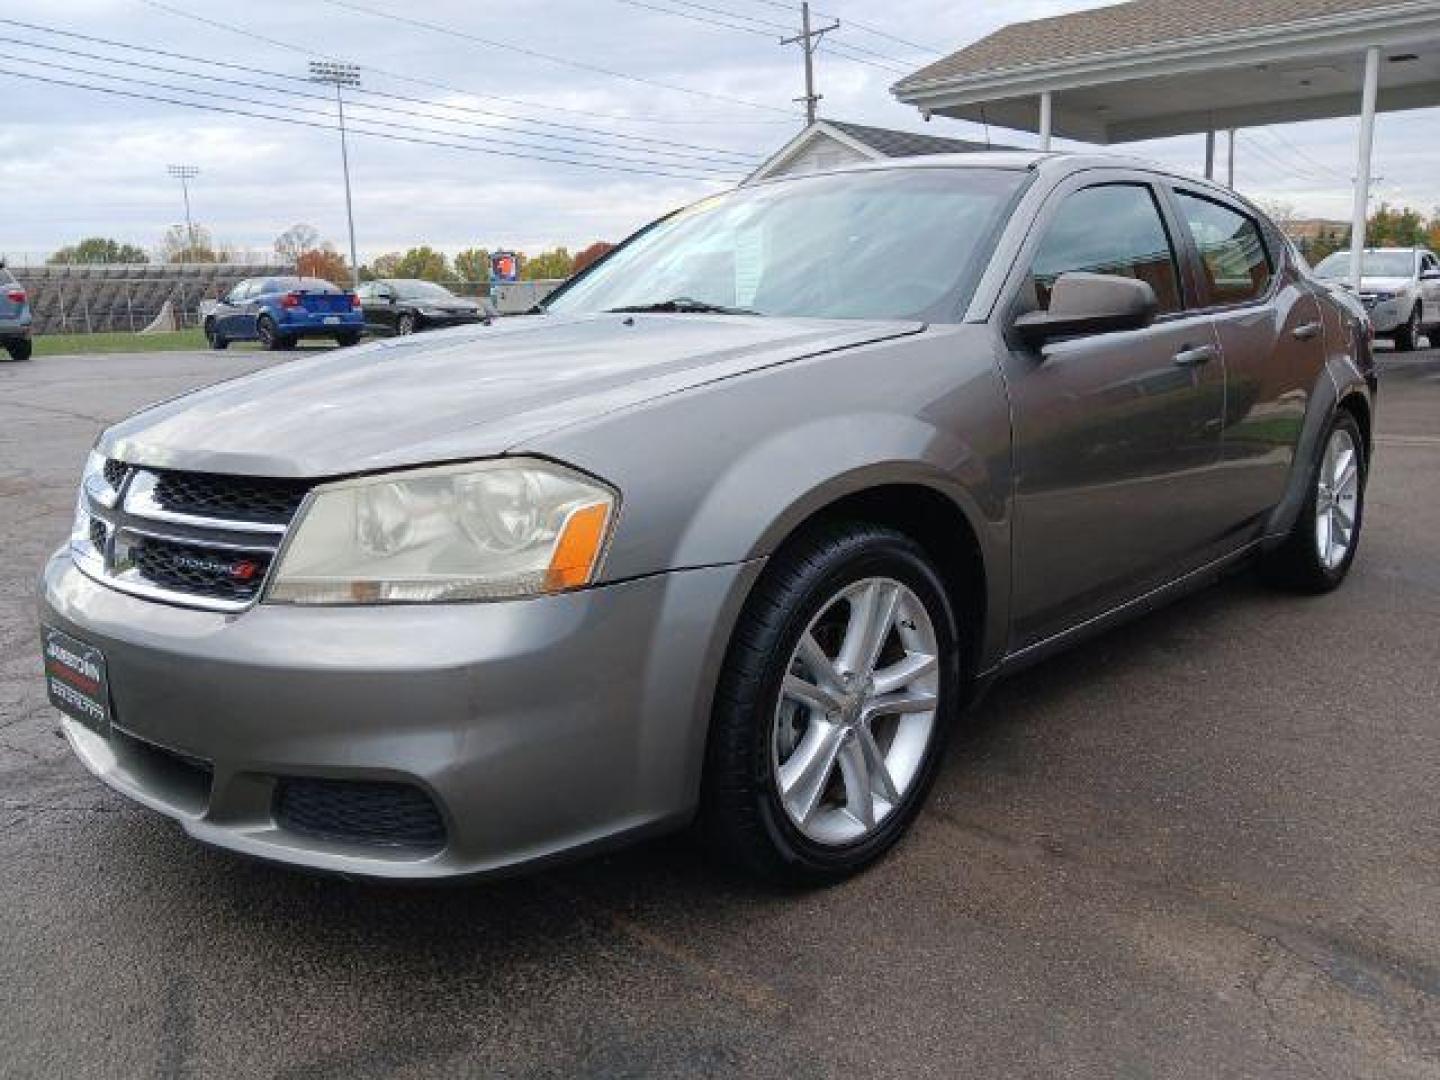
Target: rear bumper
[[306, 325], [538, 728]]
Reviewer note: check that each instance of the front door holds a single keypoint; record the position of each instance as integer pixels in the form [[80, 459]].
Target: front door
[[1116, 436]]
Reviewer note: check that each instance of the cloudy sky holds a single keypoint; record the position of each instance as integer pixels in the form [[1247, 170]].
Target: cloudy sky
[[672, 107]]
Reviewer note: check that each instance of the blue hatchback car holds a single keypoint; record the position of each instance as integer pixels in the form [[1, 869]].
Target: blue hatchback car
[[279, 311], [14, 317]]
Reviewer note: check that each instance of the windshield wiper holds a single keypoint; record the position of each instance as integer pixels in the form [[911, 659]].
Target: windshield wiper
[[682, 305]]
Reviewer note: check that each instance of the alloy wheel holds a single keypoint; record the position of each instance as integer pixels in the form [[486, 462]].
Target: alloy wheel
[[856, 712], [406, 325], [1337, 499]]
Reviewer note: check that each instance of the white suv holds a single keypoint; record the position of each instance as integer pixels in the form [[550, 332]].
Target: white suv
[[1400, 288]]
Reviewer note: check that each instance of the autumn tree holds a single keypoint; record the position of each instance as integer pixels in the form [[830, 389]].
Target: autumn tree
[[419, 262], [99, 249], [547, 266], [473, 265], [591, 255], [324, 262], [189, 244], [1392, 227]]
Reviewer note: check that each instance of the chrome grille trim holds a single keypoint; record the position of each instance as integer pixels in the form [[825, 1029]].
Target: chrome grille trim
[[129, 516]]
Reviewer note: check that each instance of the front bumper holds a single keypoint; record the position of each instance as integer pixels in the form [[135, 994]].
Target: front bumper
[[1387, 316], [538, 727]]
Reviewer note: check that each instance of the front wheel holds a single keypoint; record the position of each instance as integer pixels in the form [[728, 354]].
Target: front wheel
[[406, 324], [1317, 554], [214, 337], [20, 348], [1408, 336], [839, 688]]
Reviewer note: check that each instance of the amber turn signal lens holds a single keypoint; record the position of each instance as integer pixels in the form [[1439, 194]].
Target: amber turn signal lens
[[578, 549]]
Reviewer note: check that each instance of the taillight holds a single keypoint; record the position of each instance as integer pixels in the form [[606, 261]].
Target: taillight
[[354, 300], [15, 296], [290, 300]]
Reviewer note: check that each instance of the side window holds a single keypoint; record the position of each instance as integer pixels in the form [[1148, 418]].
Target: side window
[[241, 292], [1110, 229], [1236, 264]]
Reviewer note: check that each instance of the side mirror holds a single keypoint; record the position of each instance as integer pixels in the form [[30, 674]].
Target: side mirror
[[1082, 304]]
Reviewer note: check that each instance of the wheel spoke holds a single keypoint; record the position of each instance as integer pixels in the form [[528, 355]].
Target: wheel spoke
[[804, 776], [1345, 520], [903, 672], [902, 701], [1344, 460], [881, 782], [810, 695], [822, 668], [872, 614], [859, 794], [1345, 483]]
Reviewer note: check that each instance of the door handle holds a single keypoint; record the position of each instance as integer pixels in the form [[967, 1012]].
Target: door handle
[[1195, 357], [1306, 331]]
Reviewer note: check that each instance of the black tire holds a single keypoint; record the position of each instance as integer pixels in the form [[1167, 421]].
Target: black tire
[[270, 336], [216, 339], [348, 339], [1408, 335], [1296, 565], [741, 815], [406, 324], [20, 349]]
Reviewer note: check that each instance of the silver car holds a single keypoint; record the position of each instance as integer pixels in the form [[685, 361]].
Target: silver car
[[729, 533], [1400, 288]]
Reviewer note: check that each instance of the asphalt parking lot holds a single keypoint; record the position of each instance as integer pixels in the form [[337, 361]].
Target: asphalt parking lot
[[1206, 845]]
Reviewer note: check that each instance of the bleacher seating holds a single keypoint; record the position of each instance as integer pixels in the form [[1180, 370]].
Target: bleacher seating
[[86, 298]]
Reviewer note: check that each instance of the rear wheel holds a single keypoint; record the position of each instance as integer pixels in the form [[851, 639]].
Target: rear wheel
[[270, 336], [1318, 553], [833, 708], [213, 335], [347, 339], [19, 348], [1409, 334]]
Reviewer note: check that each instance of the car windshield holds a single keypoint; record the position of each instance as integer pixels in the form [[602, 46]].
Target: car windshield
[[422, 290], [1376, 264], [889, 244]]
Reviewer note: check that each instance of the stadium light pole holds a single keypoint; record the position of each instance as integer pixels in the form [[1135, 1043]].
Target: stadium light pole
[[186, 173], [342, 76]]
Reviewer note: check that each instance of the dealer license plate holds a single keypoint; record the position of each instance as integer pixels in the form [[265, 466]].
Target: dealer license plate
[[76, 678]]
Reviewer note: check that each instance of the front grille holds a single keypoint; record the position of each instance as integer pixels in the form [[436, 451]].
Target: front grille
[[198, 539], [233, 498], [115, 473], [360, 811], [198, 570]]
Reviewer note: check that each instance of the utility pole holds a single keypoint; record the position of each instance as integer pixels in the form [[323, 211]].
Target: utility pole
[[1230, 167], [809, 39], [186, 173], [339, 76]]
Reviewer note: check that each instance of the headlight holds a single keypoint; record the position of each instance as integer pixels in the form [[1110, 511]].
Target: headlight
[[488, 531]]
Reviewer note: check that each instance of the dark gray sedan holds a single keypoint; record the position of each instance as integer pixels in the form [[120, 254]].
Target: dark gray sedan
[[407, 305], [730, 532]]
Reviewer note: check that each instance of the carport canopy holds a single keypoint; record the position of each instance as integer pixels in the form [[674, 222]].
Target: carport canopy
[[1152, 68]]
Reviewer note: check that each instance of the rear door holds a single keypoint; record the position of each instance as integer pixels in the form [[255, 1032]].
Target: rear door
[[1116, 436], [1271, 335]]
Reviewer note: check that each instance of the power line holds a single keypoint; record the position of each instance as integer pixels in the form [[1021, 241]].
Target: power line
[[628, 118], [294, 122], [288, 77], [727, 157], [453, 32], [1328, 169], [754, 26], [849, 47], [866, 27], [489, 140]]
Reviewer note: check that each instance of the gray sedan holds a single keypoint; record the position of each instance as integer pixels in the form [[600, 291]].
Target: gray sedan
[[729, 533]]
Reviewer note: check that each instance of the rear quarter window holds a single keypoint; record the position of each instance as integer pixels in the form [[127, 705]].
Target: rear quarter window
[[1236, 264]]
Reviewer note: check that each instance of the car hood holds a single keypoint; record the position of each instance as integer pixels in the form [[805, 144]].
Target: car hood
[[455, 394], [1377, 284]]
